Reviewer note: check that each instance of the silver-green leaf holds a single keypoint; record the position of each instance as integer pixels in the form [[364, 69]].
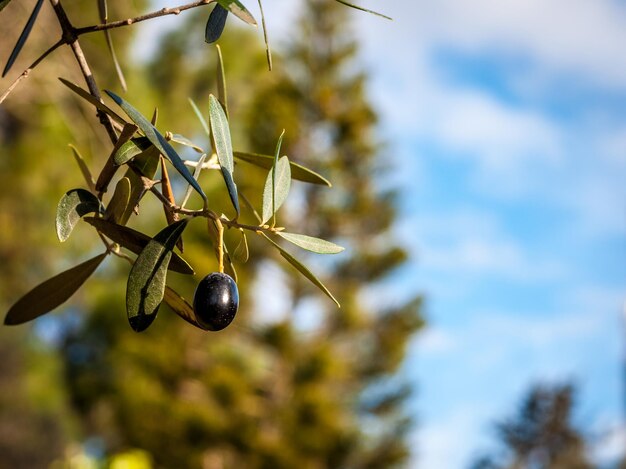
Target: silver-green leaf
[[237, 9], [279, 178], [74, 205], [310, 243], [146, 281], [223, 147], [157, 140]]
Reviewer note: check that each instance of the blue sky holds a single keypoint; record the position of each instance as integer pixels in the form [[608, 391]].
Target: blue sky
[[507, 128]]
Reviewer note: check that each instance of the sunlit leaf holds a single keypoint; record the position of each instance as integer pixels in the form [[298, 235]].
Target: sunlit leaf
[[93, 100], [119, 202], [223, 147], [237, 9], [53, 292], [116, 63], [242, 253], [199, 115], [146, 281], [130, 149], [268, 50], [215, 24], [84, 169], [221, 81], [297, 171], [196, 175], [278, 178], [363, 9], [302, 269], [157, 140], [185, 141], [180, 306], [310, 243], [23, 37], [73, 205], [135, 241]]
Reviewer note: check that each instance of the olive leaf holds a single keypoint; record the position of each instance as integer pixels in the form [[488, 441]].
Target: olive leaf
[[268, 49], [302, 269], [343, 2], [146, 281], [23, 36], [104, 16], [310, 243], [110, 166], [185, 141], [119, 202], [199, 115], [298, 172], [221, 81], [196, 175], [130, 149], [157, 140], [278, 179], [215, 24], [135, 241], [99, 105], [74, 204], [237, 9], [53, 292], [180, 306], [83, 168], [223, 147]]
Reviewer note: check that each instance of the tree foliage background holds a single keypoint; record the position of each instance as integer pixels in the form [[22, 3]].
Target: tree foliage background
[[318, 387]]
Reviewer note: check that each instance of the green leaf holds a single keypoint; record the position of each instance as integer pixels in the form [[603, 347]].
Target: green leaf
[[93, 100], [363, 9], [53, 292], [237, 9], [310, 243], [215, 24], [84, 169], [116, 63], [302, 269], [119, 202], [221, 81], [110, 167], [276, 170], [185, 141], [282, 175], [146, 281], [130, 149], [268, 50], [297, 171], [223, 147], [199, 115], [23, 37], [196, 175], [3, 3], [157, 140], [135, 241], [73, 205], [180, 306]]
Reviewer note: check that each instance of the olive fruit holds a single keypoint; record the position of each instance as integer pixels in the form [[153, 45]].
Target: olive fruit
[[215, 301]]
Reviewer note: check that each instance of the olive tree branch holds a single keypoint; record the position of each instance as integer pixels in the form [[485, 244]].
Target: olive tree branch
[[127, 22]]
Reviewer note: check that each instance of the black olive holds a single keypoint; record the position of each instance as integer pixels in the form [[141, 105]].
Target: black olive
[[216, 301]]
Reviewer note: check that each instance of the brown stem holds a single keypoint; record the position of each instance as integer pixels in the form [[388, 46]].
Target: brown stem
[[137, 19]]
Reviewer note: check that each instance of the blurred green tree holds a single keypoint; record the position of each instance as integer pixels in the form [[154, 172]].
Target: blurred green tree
[[260, 394], [542, 434]]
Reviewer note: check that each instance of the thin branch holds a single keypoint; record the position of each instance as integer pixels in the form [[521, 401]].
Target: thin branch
[[26, 72], [127, 22]]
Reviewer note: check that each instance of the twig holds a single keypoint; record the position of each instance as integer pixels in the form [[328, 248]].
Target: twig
[[26, 72], [137, 19]]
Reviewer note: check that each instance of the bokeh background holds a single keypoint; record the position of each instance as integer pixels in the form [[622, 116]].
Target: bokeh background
[[477, 151]]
